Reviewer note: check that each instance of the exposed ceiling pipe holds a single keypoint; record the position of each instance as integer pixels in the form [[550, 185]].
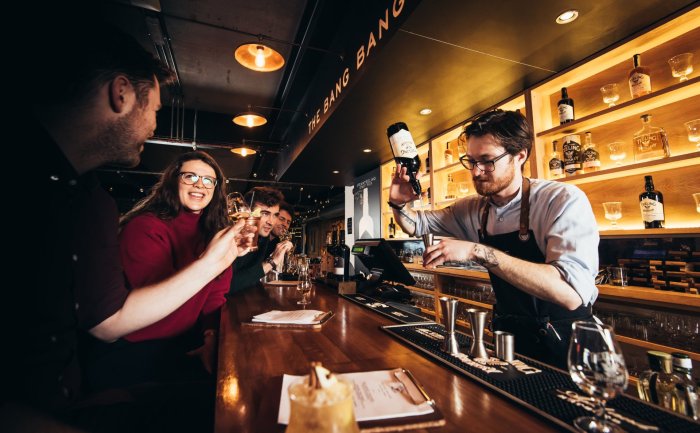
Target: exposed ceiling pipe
[[181, 143]]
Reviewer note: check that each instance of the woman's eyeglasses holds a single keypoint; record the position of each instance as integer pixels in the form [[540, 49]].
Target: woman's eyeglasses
[[192, 178]]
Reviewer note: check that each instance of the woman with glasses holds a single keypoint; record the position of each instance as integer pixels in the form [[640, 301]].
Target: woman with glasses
[[163, 233], [538, 239]]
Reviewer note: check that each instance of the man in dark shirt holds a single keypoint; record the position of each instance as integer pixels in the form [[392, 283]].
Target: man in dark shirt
[[97, 107], [248, 270]]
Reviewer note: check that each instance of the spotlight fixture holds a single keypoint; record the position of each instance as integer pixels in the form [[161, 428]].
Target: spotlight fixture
[[249, 119], [425, 111], [243, 151], [259, 57], [567, 16], [335, 172], [366, 150]]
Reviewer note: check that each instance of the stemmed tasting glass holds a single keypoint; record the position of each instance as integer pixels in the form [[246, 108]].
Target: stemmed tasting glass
[[304, 286], [617, 152], [236, 207], [463, 188], [597, 367], [681, 65], [693, 128], [613, 211], [611, 94]]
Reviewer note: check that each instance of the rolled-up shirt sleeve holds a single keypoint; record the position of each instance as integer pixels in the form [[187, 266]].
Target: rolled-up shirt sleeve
[[569, 238]]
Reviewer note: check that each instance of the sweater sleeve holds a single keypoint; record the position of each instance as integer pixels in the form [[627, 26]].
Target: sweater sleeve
[[146, 251]]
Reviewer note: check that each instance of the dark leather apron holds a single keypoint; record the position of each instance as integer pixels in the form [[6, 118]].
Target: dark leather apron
[[542, 329]]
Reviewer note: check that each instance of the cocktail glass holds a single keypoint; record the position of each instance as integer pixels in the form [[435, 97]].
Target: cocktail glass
[[681, 65]]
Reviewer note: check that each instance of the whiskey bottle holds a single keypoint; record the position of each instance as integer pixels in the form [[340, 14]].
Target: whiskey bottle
[[405, 152], [686, 389], [591, 157], [451, 188], [651, 203], [449, 158], [572, 154], [565, 106], [639, 78], [392, 228], [556, 166], [650, 142], [666, 383], [648, 377]]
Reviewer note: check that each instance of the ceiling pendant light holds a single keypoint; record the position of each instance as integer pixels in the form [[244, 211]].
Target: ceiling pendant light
[[243, 151], [259, 57], [249, 119]]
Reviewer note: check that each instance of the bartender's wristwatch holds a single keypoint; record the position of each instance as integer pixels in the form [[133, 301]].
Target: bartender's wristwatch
[[271, 262]]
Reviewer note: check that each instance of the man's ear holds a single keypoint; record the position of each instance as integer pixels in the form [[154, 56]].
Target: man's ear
[[121, 94]]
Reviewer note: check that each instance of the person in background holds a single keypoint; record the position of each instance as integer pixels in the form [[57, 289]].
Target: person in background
[[283, 220], [163, 233], [538, 239], [251, 268], [96, 108]]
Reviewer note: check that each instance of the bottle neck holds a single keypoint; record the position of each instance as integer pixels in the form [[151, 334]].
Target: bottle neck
[[564, 94], [636, 61], [649, 186]]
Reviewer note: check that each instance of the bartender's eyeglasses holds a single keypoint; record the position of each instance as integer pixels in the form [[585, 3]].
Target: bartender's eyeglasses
[[486, 166], [189, 178]]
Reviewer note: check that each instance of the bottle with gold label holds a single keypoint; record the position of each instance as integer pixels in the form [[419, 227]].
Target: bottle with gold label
[[651, 203], [639, 78], [590, 158], [650, 142], [451, 188], [449, 157], [556, 166]]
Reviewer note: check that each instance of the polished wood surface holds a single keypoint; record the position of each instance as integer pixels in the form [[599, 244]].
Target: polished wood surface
[[252, 361]]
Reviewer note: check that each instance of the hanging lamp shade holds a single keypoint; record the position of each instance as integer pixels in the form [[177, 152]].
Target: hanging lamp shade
[[259, 57], [249, 119], [243, 151]]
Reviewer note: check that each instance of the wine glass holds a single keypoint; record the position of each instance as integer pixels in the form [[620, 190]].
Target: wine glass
[[236, 207], [597, 367], [693, 128], [613, 211], [611, 94], [617, 152], [681, 65], [463, 188], [304, 287]]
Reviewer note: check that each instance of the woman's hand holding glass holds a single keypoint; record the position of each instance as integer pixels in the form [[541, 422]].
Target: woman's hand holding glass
[[236, 207]]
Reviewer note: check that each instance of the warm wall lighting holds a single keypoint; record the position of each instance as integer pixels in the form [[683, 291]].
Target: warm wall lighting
[[259, 57], [243, 151], [249, 119], [567, 16]]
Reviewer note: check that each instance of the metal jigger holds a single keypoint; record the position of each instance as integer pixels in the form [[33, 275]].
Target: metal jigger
[[449, 314], [427, 239], [477, 320]]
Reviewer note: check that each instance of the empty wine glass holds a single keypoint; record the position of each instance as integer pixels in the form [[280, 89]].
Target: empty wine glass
[[681, 65], [613, 211], [304, 287], [693, 128], [617, 151], [597, 367], [611, 94]]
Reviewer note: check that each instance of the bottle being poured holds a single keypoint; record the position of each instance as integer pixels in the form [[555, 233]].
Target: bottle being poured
[[321, 403], [405, 154]]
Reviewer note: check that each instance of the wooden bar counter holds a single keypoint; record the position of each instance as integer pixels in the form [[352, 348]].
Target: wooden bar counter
[[252, 361]]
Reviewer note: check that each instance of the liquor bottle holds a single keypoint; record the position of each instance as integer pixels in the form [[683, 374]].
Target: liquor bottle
[[572, 154], [565, 106], [556, 166], [451, 193], [449, 158], [666, 383], [427, 164], [591, 157], [686, 389], [651, 203], [647, 377], [405, 152], [639, 78], [650, 142], [392, 228]]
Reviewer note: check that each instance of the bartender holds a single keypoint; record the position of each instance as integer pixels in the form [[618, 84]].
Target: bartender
[[538, 239]]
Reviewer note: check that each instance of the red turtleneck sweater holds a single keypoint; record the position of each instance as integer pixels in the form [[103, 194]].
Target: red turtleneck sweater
[[152, 250]]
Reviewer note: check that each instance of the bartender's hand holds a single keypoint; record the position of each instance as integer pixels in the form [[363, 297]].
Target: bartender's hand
[[280, 250], [447, 250], [401, 190]]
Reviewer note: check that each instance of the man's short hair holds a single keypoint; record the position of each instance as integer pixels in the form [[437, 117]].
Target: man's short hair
[[284, 206], [264, 195], [509, 128]]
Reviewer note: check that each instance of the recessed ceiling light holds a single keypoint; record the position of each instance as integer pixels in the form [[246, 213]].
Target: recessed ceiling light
[[567, 16], [335, 172], [425, 111], [366, 150]]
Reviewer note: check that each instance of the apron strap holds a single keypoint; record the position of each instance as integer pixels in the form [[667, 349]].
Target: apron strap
[[524, 232]]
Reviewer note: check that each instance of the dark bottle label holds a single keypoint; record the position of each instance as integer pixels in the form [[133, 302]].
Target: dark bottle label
[[591, 158], [572, 154], [556, 167]]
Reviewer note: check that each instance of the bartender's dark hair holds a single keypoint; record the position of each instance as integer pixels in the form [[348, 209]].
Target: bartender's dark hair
[[265, 195], [509, 128]]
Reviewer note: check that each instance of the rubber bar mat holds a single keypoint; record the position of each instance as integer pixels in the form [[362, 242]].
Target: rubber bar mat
[[548, 391], [385, 309]]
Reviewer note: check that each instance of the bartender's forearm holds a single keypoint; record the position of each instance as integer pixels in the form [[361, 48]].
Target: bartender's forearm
[[406, 219], [540, 280]]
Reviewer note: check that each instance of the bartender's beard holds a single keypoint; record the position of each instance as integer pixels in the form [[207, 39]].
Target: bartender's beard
[[488, 184]]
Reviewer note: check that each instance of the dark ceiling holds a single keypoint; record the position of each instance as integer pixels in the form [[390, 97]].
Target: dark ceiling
[[457, 57]]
